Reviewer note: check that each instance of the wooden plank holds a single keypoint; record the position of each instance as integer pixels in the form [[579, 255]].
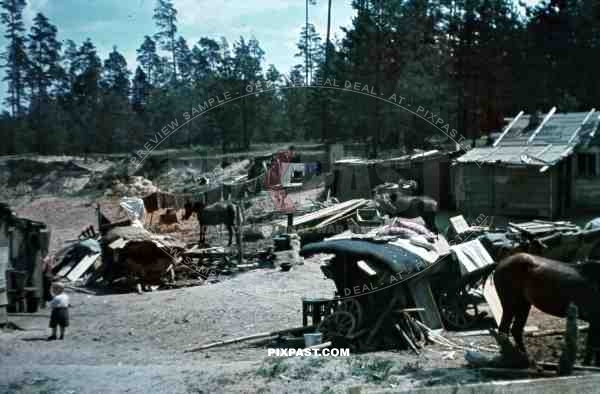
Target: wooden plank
[[65, 269], [320, 214], [546, 119], [510, 125], [82, 267], [340, 215], [421, 292], [474, 333], [459, 224], [471, 256]]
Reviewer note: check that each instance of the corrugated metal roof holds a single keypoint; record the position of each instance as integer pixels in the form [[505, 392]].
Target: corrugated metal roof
[[555, 141], [421, 156], [539, 155], [558, 130]]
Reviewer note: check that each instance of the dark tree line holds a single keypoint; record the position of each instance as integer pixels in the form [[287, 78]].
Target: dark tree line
[[470, 62]]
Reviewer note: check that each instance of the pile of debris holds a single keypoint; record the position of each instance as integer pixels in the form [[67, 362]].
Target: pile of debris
[[133, 186], [123, 255], [28, 176]]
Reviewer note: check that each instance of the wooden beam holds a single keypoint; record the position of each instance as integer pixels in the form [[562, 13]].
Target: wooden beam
[[581, 125], [510, 125], [546, 119]]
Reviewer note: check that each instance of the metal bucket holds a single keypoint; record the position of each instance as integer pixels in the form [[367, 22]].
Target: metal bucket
[[312, 339]]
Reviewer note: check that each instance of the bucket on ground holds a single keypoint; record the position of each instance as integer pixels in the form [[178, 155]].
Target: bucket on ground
[[313, 339]]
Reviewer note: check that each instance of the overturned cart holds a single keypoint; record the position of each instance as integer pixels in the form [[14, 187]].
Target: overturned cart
[[384, 297]]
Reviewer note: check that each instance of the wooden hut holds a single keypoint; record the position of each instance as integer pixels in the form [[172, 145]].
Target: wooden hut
[[23, 244], [540, 166], [356, 178]]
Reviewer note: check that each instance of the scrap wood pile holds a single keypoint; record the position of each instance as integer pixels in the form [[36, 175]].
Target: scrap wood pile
[[331, 220], [383, 298], [561, 240]]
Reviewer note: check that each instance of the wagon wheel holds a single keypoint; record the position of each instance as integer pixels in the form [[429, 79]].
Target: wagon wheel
[[339, 323], [352, 306], [459, 308]]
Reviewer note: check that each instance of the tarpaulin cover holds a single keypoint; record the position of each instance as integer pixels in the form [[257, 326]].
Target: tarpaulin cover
[[395, 258], [133, 206], [92, 244]]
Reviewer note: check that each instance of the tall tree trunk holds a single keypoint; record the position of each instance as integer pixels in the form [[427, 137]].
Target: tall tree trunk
[[306, 42], [324, 123]]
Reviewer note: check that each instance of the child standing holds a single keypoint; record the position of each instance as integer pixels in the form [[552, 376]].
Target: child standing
[[60, 310]]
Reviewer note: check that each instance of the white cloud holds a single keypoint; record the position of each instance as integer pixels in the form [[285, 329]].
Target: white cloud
[[196, 13], [32, 8]]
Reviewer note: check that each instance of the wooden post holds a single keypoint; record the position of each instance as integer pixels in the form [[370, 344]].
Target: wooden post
[[4, 250], [290, 222], [569, 353]]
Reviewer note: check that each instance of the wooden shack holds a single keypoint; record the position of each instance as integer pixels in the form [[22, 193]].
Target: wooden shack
[[540, 166], [356, 178], [23, 244]]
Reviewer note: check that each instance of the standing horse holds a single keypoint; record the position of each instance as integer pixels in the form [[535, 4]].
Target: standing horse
[[218, 213], [417, 206], [523, 280]]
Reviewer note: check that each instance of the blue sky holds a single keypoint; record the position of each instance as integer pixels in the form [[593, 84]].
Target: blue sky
[[275, 23]]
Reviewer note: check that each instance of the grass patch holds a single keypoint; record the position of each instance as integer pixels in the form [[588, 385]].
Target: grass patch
[[374, 370], [271, 368]]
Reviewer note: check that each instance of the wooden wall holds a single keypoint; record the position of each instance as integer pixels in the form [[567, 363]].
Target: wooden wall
[[586, 190], [587, 193], [506, 191], [358, 180]]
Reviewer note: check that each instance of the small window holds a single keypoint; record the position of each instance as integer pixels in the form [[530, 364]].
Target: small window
[[586, 164]]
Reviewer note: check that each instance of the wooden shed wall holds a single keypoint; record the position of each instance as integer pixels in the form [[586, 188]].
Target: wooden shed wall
[[358, 180], [587, 193], [505, 191]]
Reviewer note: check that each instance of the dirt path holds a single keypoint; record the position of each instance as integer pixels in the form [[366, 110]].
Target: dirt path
[[134, 343]]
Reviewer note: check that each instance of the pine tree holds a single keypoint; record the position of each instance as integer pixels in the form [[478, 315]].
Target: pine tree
[[139, 90], [247, 60], [183, 56], [313, 51], [116, 75], [165, 16], [44, 56], [87, 68], [44, 72], [149, 59], [15, 56]]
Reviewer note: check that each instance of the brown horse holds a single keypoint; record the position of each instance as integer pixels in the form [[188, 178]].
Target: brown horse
[[523, 280], [225, 213], [411, 207]]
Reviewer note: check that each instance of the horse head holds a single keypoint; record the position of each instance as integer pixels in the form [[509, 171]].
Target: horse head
[[191, 208]]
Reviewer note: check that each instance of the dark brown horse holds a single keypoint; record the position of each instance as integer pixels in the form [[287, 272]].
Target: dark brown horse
[[523, 280], [225, 213], [410, 207]]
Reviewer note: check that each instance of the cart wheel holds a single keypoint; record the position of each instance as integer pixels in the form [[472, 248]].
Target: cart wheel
[[459, 309], [352, 306], [339, 323]]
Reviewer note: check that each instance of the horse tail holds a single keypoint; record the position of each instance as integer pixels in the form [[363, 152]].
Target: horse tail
[[478, 275]]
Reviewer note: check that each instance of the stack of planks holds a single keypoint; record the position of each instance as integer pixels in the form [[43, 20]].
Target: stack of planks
[[537, 228], [327, 216]]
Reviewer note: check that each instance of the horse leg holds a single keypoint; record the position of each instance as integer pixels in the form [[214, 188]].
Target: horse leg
[[521, 312], [230, 231], [507, 318]]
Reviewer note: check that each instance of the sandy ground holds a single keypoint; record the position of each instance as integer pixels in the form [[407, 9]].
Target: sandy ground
[[135, 343]]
